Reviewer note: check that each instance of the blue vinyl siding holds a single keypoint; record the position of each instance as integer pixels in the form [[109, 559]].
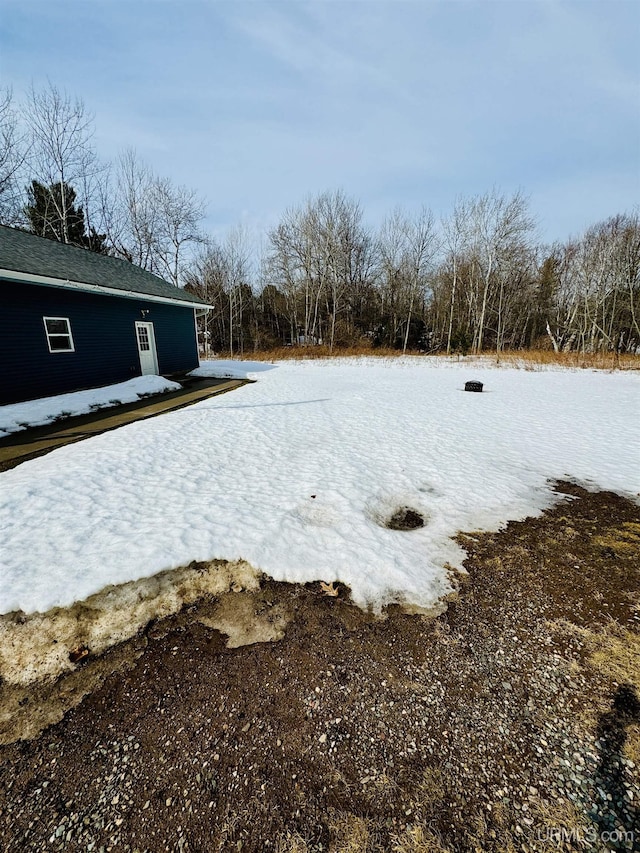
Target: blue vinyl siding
[[104, 337]]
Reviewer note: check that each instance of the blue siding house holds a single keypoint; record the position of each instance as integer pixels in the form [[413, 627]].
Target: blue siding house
[[72, 319]]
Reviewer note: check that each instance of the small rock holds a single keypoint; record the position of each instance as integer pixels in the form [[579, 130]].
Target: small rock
[[78, 654]]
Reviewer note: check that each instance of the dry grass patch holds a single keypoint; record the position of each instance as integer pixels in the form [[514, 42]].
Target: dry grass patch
[[431, 789], [616, 655], [526, 359], [291, 843], [364, 350], [632, 744], [419, 840], [624, 541], [351, 834], [560, 826], [581, 360], [613, 652]]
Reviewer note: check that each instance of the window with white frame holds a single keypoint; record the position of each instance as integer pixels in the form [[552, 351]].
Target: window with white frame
[[58, 331]]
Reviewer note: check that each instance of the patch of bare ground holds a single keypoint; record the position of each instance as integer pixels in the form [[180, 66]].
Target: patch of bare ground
[[509, 723]]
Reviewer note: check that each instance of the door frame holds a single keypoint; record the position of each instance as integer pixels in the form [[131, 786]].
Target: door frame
[[152, 347]]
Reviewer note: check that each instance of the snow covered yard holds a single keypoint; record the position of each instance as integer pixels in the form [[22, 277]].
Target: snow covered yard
[[300, 473]]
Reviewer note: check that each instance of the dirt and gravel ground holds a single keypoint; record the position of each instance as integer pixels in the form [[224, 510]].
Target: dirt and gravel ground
[[509, 723]]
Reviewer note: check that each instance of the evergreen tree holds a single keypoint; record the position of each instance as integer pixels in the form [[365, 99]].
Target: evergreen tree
[[52, 212]]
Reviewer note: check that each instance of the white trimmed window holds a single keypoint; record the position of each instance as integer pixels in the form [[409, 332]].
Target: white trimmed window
[[58, 331]]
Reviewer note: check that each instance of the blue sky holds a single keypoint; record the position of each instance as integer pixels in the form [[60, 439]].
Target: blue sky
[[260, 104]]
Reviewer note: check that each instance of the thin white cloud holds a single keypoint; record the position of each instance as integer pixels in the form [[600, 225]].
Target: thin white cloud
[[314, 40]]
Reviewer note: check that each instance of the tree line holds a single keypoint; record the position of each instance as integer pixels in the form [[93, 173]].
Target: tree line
[[477, 279]]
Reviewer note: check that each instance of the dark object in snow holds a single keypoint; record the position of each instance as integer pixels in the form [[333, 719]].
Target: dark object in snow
[[405, 518], [473, 386]]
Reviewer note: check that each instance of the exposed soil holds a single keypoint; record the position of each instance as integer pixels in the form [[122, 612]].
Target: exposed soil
[[511, 722], [406, 519]]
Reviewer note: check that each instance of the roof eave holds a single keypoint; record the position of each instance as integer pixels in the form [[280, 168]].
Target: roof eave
[[49, 281]]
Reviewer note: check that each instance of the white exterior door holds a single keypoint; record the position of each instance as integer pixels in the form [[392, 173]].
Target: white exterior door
[[147, 348]]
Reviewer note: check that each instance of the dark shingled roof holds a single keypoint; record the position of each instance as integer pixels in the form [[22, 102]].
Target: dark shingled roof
[[23, 252]]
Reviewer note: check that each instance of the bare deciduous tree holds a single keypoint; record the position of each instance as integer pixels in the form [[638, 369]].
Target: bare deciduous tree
[[499, 228], [61, 152], [319, 254], [454, 238], [179, 212], [406, 249], [221, 276], [133, 225], [13, 152], [154, 222]]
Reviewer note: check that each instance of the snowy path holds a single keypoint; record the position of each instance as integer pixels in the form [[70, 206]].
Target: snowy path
[[297, 473], [19, 416]]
